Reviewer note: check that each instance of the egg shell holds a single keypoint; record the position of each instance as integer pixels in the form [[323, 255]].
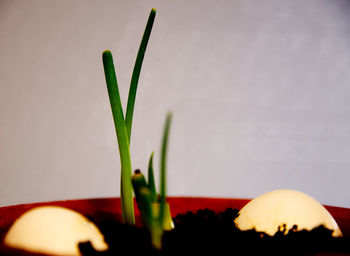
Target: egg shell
[[269, 211], [53, 230]]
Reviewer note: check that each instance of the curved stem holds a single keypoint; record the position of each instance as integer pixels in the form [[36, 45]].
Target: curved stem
[[136, 73]]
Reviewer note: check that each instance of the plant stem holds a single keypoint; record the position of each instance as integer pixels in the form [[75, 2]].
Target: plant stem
[[151, 183], [122, 137], [138, 181], [163, 166], [136, 73]]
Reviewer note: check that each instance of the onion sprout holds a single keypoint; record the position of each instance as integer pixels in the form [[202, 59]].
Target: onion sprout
[[155, 215], [136, 72], [151, 183], [163, 166], [155, 211], [123, 127], [122, 137]]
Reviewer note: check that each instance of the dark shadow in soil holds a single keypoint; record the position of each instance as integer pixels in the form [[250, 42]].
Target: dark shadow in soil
[[206, 232]]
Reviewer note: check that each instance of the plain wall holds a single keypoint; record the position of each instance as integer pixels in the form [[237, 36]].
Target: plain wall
[[259, 91]]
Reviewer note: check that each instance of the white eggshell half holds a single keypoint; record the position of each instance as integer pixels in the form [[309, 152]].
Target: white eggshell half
[[53, 230], [271, 210]]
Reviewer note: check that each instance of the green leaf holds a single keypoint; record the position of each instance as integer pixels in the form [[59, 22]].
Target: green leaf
[[145, 207], [122, 137], [136, 73], [138, 181], [163, 166], [151, 183]]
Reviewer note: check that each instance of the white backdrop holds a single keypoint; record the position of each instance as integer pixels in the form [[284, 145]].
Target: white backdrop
[[259, 90]]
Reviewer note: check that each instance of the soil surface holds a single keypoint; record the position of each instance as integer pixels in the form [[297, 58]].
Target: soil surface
[[206, 232]]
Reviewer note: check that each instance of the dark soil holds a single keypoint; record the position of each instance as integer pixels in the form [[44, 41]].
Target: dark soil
[[206, 232]]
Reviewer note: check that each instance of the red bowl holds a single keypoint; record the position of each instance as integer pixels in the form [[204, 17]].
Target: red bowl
[[111, 206]]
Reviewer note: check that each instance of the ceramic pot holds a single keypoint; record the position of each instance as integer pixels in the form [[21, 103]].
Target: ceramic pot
[[100, 207]]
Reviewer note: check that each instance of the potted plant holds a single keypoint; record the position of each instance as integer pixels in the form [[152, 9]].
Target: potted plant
[[167, 226]]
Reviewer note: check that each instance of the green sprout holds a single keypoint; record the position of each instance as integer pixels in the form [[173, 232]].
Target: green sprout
[[123, 126], [154, 210]]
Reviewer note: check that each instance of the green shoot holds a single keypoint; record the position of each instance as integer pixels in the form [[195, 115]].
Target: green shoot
[[145, 205], [136, 73], [155, 215], [122, 137], [138, 180], [123, 127], [151, 183], [163, 165]]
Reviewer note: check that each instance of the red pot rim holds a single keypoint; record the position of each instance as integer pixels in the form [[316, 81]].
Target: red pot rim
[[178, 205]]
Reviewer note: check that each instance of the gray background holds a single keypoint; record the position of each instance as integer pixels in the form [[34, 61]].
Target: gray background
[[259, 91]]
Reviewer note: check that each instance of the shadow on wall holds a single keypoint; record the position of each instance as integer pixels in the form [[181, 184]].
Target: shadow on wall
[[3, 5]]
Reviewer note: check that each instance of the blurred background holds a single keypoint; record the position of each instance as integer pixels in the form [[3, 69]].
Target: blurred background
[[259, 91]]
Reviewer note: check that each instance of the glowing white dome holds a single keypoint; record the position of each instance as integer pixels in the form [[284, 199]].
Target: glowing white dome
[[53, 230], [269, 211]]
